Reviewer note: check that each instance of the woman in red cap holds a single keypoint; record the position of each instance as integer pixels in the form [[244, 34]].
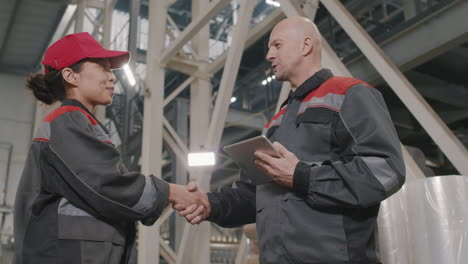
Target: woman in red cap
[[76, 202]]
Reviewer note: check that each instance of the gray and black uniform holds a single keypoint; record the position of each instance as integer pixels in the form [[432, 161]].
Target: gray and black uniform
[[76, 202], [351, 160]]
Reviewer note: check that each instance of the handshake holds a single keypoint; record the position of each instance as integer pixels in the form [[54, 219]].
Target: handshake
[[190, 201]]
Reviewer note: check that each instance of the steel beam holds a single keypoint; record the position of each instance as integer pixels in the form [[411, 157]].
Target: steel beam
[[188, 233], [176, 28], [189, 68], [179, 113], [9, 27], [418, 43], [310, 7], [106, 22], [191, 30], [243, 250], [185, 66], [293, 8], [440, 90], [409, 9], [203, 95], [172, 35], [413, 171], [148, 237], [200, 106], [174, 135], [229, 74], [133, 26], [329, 59], [167, 253], [178, 63], [178, 90], [453, 116], [255, 34], [434, 126], [165, 215], [96, 4], [80, 14], [181, 155], [65, 23]]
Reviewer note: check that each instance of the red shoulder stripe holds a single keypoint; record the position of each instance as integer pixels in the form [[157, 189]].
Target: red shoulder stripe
[[41, 139], [68, 108], [281, 112], [335, 85]]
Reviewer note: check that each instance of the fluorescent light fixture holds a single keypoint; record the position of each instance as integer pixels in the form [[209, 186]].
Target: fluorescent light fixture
[[233, 99], [273, 3], [264, 82], [129, 75], [269, 79], [201, 159]]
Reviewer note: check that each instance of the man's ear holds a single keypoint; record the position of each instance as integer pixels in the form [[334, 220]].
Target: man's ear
[[307, 46], [70, 77]]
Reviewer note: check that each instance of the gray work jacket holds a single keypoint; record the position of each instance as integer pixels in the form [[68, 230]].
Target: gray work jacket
[[76, 202], [351, 160]]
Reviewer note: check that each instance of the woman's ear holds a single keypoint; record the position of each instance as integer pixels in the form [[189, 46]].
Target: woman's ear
[[69, 76], [307, 46]]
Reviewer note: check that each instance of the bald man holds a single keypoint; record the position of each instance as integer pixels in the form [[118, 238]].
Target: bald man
[[340, 157]]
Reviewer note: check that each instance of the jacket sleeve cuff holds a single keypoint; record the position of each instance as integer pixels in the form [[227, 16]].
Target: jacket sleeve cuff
[[214, 203], [162, 199], [301, 178]]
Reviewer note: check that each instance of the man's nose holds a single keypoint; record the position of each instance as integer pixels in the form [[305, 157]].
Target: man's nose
[[269, 56]]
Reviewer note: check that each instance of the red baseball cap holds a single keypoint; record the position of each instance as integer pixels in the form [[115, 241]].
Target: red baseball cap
[[75, 47]]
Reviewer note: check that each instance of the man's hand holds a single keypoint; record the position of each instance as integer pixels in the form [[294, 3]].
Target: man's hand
[[194, 212], [281, 169]]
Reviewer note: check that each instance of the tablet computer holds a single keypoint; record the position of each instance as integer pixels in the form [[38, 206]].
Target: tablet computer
[[243, 155]]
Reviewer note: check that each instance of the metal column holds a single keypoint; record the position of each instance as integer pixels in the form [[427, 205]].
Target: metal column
[[200, 107], [148, 237], [217, 121], [130, 92], [80, 15], [229, 74], [180, 112], [106, 23]]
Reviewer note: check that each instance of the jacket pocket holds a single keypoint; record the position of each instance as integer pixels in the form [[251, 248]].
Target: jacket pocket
[[314, 128], [100, 252], [312, 235], [99, 242], [74, 223], [88, 228], [316, 115], [261, 217]]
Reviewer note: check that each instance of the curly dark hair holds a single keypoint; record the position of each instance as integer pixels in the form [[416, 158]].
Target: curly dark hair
[[49, 88]]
